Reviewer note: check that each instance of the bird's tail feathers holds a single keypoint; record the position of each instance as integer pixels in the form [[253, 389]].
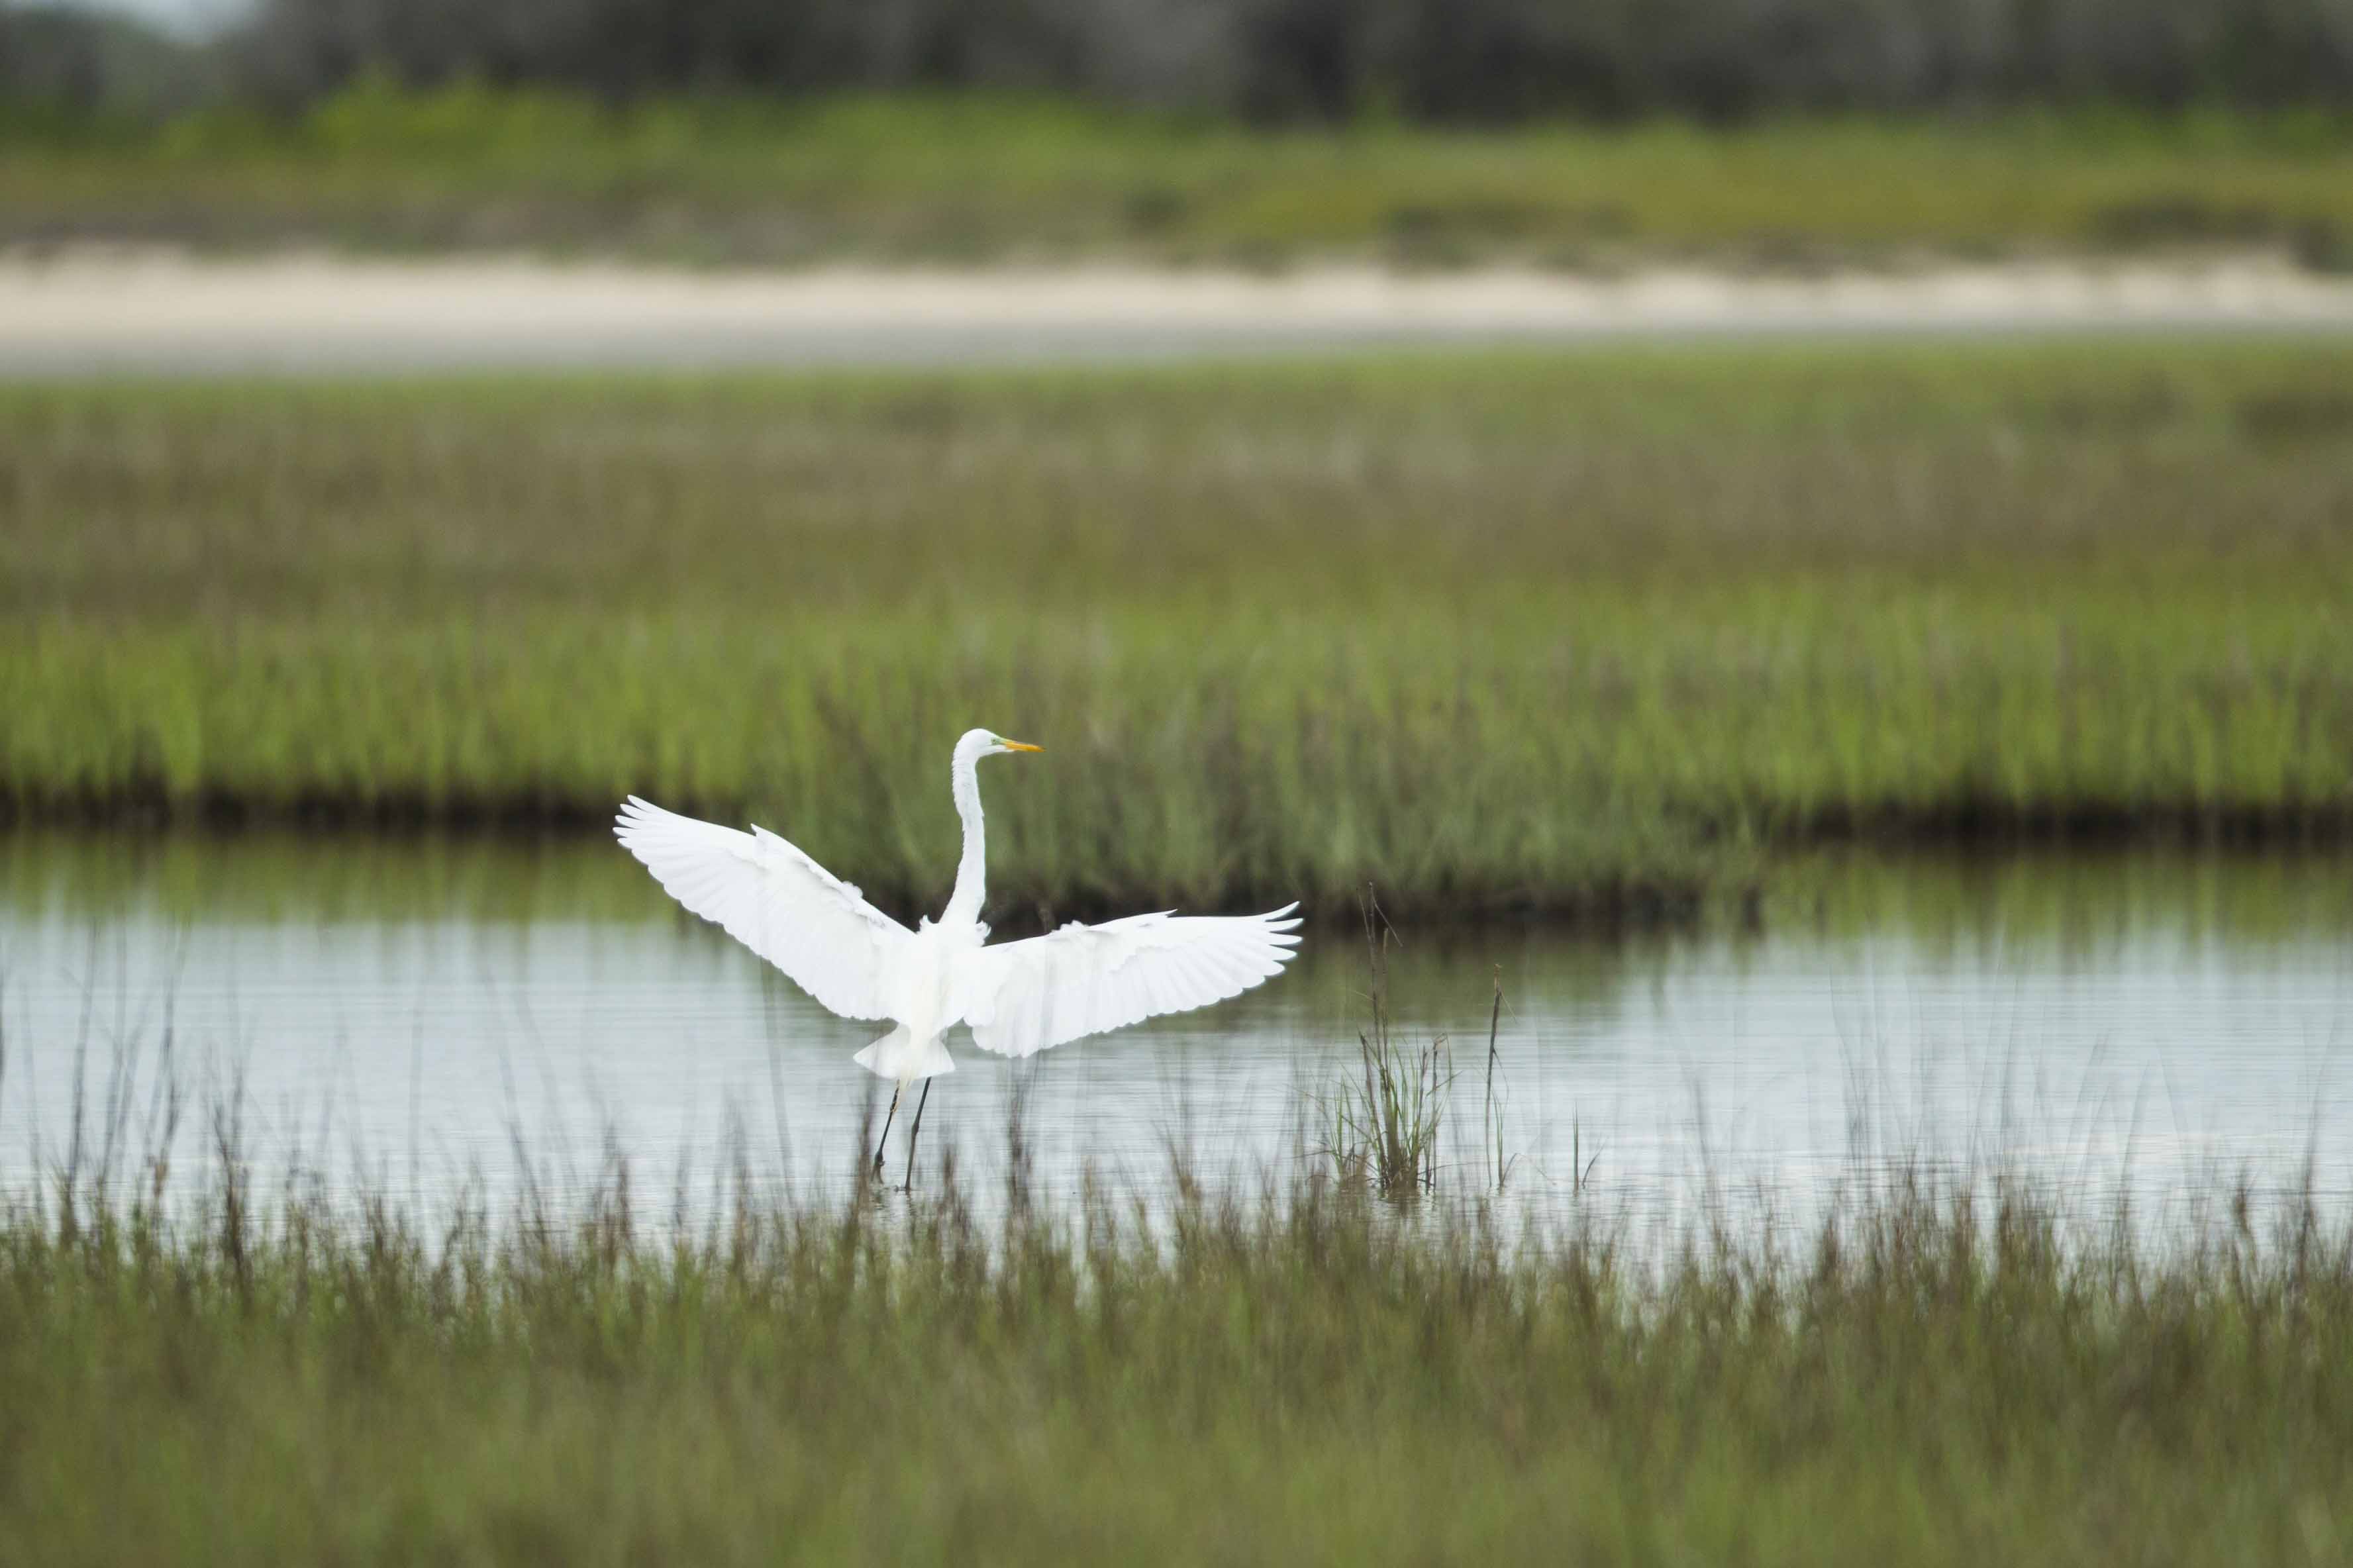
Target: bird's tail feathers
[[898, 1056]]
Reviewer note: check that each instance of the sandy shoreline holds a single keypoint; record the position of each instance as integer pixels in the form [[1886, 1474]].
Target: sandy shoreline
[[162, 313]]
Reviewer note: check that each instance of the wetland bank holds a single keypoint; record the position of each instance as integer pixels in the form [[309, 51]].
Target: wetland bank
[[1556, 633]]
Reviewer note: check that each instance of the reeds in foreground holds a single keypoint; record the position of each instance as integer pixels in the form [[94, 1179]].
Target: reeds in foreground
[[1940, 1371]]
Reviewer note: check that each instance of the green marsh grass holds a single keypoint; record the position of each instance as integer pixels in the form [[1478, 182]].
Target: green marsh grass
[[1586, 631]]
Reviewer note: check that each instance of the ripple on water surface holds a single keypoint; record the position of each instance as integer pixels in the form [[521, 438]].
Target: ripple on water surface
[[418, 1015]]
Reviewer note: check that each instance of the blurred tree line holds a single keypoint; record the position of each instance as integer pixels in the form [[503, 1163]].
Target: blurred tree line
[[1454, 60]]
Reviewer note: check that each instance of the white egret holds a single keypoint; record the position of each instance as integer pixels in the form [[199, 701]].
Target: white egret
[[1017, 997]]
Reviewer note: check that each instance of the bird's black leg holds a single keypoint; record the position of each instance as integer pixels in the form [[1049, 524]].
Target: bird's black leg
[[886, 1127], [915, 1130]]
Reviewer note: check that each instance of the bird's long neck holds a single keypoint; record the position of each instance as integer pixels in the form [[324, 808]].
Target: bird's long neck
[[972, 871]]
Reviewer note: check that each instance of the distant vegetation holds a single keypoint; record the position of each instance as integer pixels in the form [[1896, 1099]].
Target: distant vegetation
[[959, 181], [1929, 1377], [1252, 132], [1587, 631], [1475, 60]]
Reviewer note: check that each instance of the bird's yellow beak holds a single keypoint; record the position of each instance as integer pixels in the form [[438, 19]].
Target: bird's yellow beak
[[1020, 746]]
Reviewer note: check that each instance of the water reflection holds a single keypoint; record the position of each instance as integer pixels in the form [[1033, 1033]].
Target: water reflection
[[421, 1016]]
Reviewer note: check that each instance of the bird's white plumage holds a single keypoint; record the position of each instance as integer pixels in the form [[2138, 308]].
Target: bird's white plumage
[[777, 902], [1022, 996], [1019, 997]]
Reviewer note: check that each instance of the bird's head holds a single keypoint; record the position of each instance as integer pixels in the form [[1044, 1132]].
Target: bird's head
[[979, 743]]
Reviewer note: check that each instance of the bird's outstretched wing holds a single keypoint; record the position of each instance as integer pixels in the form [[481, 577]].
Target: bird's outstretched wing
[[1022, 996], [774, 900]]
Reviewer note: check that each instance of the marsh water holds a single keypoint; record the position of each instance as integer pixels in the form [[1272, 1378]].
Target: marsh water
[[430, 1019]]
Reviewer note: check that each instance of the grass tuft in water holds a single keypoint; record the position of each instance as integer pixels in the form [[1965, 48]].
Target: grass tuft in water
[[1384, 1115]]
